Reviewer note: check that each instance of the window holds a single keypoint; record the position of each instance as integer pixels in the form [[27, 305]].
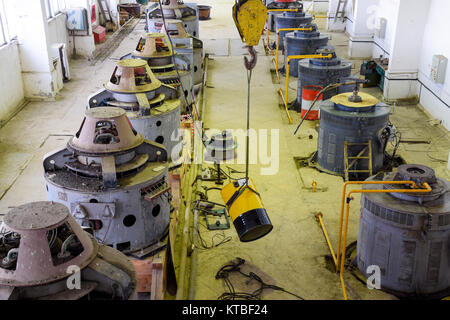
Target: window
[[8, 21], [53, 7]]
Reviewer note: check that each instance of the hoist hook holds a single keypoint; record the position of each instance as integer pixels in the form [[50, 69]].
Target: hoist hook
[[250, 64]]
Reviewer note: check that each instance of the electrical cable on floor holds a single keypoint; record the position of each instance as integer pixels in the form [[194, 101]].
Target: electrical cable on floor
[[203, 244], [223, 172], [349, 265], [205, 194], [224, 274]]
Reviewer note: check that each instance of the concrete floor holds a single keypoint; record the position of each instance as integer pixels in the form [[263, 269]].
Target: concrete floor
[[292, 255]]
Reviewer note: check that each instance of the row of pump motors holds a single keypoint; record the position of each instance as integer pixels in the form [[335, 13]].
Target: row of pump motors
[[405, 233], [109, 187]]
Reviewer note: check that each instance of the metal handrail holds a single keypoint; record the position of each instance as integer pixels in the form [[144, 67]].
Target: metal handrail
[[296, 57], [267, 24], [347, 198], [278, 45]]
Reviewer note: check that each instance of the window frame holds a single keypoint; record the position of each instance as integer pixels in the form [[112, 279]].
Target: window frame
[[5, 35], [51, 11]]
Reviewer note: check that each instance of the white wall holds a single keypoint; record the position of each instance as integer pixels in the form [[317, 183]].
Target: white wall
[[317, 6], [388, 9], [34, 51], [435, 97], [339, 25], [360, 28], [11, 85], [84, 41], [57, 31]]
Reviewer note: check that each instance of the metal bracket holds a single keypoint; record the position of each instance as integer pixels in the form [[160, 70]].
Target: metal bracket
[[93, 210]]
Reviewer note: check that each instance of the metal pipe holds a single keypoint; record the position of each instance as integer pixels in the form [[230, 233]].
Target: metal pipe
[[183, 254], [267, 24], [347, 213], [328, 87], [280, 92], [344, 187], [278, 43], [296, 57], [187, 214], [191, 294], [319, 217], [192, 278]]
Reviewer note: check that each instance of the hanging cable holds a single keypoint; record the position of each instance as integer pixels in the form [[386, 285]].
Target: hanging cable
[[249, 79]]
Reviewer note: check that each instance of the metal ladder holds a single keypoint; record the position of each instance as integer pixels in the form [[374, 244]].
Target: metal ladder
[[340, 10], [360, 156], [104, 11]]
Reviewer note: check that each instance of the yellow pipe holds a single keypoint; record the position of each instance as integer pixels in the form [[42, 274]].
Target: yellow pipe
[[305, 56], [347, 213], [344, 187], [267, 24], [276, 73], [322, 225], [278, 43], [285, 105]]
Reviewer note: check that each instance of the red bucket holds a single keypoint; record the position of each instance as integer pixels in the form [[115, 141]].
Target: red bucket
[[309, 93]]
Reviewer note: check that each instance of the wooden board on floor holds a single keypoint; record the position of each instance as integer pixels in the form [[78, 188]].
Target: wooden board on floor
[[151, 275], [159, 278], [175, 186]]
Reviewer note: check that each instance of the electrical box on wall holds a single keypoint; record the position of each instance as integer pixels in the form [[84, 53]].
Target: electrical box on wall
[[77, 19], [438, 68], [380, 28]]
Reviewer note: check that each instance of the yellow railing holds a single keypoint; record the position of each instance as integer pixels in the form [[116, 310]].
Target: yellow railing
[[278, 45], [296, 57], [345, 202], [267, 24], [280, 92]]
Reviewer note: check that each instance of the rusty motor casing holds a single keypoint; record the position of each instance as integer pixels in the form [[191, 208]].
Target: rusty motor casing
[[42, 246]]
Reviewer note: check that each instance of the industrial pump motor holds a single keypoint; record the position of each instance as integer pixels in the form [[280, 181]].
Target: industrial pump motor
[[185, 44], [300, 43], [281, 4], [357, 124], [152, 107], [155, 48], [407, 235], [322, 72], [114, 182], [289, 19], [220, 147], [42, 246], [176, 9]]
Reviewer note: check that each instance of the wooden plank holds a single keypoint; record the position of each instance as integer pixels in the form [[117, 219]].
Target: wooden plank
[[159, 276], [151, 275], [174, 182], [144, 274]]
